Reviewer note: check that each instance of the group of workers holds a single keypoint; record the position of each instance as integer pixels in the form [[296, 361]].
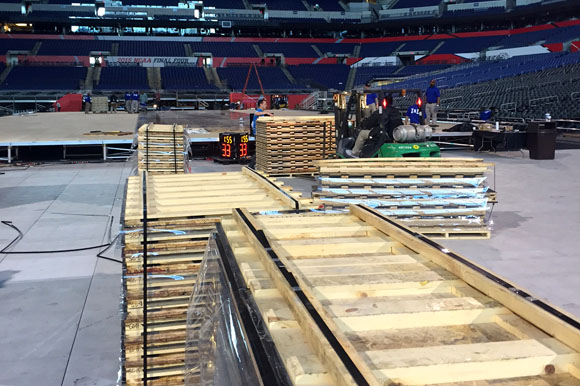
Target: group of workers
[[134, 102], [414, 112], [391, 117]]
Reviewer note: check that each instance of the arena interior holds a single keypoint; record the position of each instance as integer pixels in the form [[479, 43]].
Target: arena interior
[[290, 192]]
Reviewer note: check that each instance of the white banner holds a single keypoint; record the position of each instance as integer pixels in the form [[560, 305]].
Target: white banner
[[150, 61]]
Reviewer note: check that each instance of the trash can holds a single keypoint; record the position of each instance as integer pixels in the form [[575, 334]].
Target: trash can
[[542, 139]]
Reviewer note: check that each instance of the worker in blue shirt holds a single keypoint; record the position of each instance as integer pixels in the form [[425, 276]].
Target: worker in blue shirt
[[414, 113], [433, 97], [128, 102], [371, 100], [88, 102], [485, 114], [135, 102], [259, 112]]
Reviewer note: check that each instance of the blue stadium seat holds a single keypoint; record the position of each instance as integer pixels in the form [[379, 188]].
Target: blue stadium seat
[[72, 47], [463, 45], [222, 50], [290, 50], [185, 78], [151, 48], [336, 48], [378, 49], [525, 39], [234, 78], [421, 69], [327, 75], [561, 35], [44, 78], [366, 74], [493, 70], [272, 78], [16, 45], [123, 78], [420, 45]]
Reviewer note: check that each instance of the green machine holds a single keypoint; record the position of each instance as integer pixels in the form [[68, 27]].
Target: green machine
[[419, 149], [387, 135]]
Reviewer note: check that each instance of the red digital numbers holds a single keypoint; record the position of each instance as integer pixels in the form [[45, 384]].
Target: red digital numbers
[[243, 149], [226, 150], [234, 146]]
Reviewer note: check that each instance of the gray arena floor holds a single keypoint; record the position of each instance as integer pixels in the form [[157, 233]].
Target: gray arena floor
[[60, 318]]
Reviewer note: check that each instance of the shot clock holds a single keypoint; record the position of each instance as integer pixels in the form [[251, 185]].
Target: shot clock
[[233, 146]]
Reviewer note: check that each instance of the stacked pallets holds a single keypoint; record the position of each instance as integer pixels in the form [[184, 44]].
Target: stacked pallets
[[442, 197], [356, 298], [181, 212], [100, 104], [290, 145], [161, 149]]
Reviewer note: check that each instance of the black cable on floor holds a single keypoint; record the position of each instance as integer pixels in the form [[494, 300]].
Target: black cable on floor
[[107, 246], [79, 324]]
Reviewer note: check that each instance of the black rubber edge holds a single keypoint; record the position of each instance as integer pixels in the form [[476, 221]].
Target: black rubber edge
[[268, 360]]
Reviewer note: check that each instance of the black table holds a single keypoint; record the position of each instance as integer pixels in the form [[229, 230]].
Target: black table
[[498, 140]]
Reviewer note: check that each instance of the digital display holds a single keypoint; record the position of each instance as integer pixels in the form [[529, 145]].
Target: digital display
[[234, 146]]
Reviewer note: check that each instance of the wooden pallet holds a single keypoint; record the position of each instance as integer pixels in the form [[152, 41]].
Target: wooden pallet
[[182, 211], [404, 311], [285, 142], [161, 149], [413, 189]]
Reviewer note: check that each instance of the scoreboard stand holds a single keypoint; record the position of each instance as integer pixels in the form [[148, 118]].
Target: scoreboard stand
[[233, 148]]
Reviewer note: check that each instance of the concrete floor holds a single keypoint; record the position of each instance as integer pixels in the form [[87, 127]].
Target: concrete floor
[[45, 297], [60, 317], [536, 226]]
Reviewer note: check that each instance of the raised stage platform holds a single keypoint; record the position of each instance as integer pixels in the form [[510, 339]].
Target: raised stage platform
[[77, 134]]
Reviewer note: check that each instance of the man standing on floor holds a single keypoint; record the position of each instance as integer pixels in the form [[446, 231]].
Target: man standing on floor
[[135, 102], [88, 102], [433, 97], [143, 101], [113, 101], [128, 102]]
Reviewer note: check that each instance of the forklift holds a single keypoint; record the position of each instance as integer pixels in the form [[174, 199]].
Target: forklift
[[388, 136]]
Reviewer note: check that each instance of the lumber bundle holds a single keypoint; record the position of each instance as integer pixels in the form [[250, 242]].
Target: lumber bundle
[[441, 197], [100, 104], [161, 149], [182, 210], [405, 310], [290, 145]]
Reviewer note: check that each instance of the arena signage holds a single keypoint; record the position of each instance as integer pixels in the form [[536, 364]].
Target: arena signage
[[150, 61]]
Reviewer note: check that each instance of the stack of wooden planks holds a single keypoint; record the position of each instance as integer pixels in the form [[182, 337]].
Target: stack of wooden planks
[[100, 104], [161, 149], [182, 210], [375, 304], [441, 197], [290, 145]]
